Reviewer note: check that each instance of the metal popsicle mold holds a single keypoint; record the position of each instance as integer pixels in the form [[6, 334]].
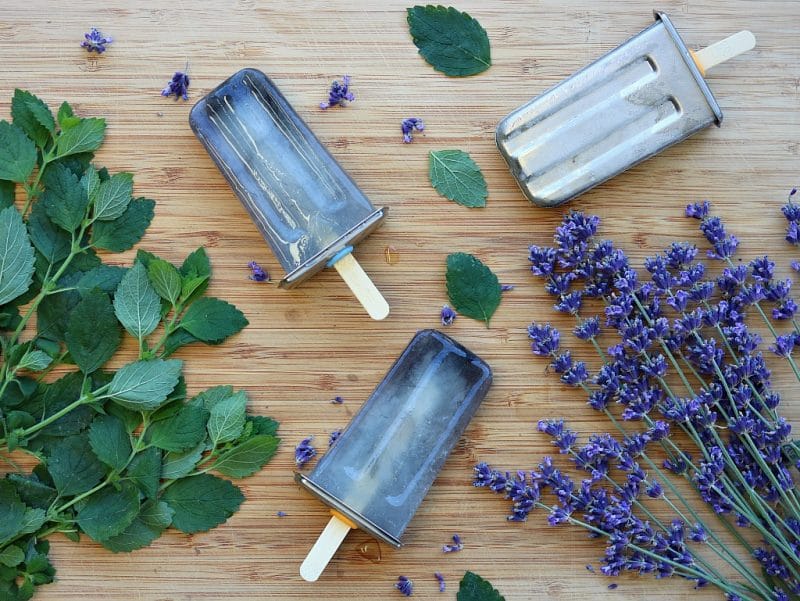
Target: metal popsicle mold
[[633, 102]]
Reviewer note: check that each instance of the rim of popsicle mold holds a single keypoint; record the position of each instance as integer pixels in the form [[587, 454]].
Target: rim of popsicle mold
[[338, 505], [320, 260], [683, 49]]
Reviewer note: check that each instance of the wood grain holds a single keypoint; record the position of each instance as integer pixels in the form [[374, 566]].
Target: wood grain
[[307, 345]]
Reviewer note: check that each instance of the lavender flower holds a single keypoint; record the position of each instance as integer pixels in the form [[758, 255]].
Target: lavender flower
[[258, 275], [506, 287], [304, 452], [334, 437], [440, 579], [178, 85], [545, 339], [404, 585], [282, 514], [95, 41], [408, 126], [448, 316], [339, 94], [457, 545], [337, 400]]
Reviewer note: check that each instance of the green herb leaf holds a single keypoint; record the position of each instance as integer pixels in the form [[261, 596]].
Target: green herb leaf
[[110, 441], [35, 360], [145, 471], [211, 396], [212, 320], [196, 270], [16, 254], [65, 114], [165, 279], [109, 511], [78, 135], [202, 502], [248, 457], [122, 233], [8, 193], [91, 183], [473, 289], [227, 418], [32, 491], [178, 465], [181, 431], [33, 116], [457, 177], [153, 519], [17, 153], [145, 385], [12, 510], [136, 304], [113, 197], [105, 278], [73, 466], [32, 520], [451, 41], [93, 334], [51, 241], [263, 425], [11, 556], [474, 588], [64, 197]]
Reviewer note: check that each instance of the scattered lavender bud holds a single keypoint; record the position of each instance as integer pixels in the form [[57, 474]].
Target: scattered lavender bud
[[258, 275], [456, 546], [448, 315], [590, 567], [337, 400], [404, 585], [282, 514], [304, 452], [334, 437], [178, 85], [440, 578], [95, 41], [339, 94], [612, 586], [408, 126], [506, 287], [795, 265]]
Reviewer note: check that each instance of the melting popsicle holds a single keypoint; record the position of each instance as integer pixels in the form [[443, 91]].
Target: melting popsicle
[[304, 204], [376, 475], [640, 98]]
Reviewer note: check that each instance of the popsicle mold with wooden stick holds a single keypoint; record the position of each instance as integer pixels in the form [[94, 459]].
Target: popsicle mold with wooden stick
[[640, 98], [305, 205]]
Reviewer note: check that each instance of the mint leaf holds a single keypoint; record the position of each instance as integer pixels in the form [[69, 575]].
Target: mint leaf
[[105, 278], [35, 361], [12, 510], [263, 425], [17, 153], [109, 511], [136, 304], [211, 396], [122, 233], [165, 279], [202, 502], [176, 340], [53, 242], [474, 588], [93, 334], [65, 117], [181, 431], [73, 466], [32, 491], [91, 183], [16, 255], [113, 196], [153, 519], [110, 441], [195, 271], [248, 457], [32, 116], [11, 556], [145, 471], [212, 320], [473, 289], [78, 135], [451, 41], [64, 197], [177, 465], [457, 177], [227, 418], [32, 520], [145, 385], [8, 193]]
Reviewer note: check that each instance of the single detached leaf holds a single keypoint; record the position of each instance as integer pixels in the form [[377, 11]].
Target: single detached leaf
[[212, 320], [109, 511], [474, 588], [145, 385], [451, 41], [64, 198], [136, 304], [113, 197], [16, 254], [110, 441], [473, 289], [53, 242], [248, 457], [181, 431], [93, 334], [122, 233], [202, 502], [153, 519], [81, 135], [165, 279], [227, 418], [17, 153], [178, 465], [33, 116], [105, 278], [457, 177], [73, 466]]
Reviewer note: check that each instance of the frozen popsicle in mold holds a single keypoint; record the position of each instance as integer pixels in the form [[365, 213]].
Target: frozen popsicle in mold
[[628, 105], [304, 204], [381, 467]]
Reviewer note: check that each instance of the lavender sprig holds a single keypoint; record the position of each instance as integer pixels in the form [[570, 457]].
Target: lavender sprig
[[95, 41], [339, 94], [177, 86]]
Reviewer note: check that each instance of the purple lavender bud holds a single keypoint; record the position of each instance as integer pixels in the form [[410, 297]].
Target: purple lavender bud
[[570, 303], [793, 233], [339, 94], [407, 126], [654, 489], [545, 339], [258, 275], [457, 545], [178, 85], [440, 579], [447, 315], [337, 400], [561, 363], [543, 260], [282, 514], [404, 585], [334, 437], [784, 345], [95, 41], [697, 533], [506, 287], [304, 452], [587, 329], [697, 210], [612, 586]]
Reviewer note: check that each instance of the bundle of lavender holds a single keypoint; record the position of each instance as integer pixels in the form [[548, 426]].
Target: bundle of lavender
[[694, 401]]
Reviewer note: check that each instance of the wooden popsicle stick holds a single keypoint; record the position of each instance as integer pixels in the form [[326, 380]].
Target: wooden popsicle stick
[[322, 551], [719, 52], [358, 281]]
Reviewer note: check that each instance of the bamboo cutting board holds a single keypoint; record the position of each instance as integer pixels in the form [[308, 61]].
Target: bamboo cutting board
[[306, 346]]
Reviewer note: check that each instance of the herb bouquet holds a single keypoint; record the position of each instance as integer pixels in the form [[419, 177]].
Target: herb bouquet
[[693, 400], [119, 456]]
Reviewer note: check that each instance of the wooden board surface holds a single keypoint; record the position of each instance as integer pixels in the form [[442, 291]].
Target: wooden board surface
[[307, 345]]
